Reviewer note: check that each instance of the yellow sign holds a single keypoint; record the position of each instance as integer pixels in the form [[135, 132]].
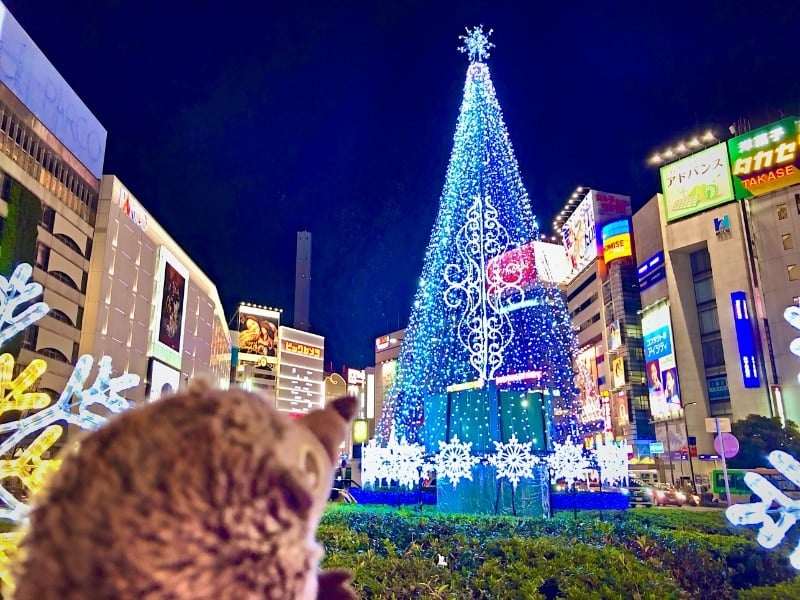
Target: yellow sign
[[467, 385], [304, 349], [360, 431]]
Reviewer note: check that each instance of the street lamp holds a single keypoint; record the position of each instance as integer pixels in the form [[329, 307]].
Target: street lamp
[[689, 446]]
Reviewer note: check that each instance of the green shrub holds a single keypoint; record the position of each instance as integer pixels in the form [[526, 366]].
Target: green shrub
[[782, 591]]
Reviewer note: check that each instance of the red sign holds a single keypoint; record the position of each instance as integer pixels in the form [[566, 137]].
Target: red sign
[[513, 269]]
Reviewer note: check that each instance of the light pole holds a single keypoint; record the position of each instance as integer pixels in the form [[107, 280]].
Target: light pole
[[689, 446]]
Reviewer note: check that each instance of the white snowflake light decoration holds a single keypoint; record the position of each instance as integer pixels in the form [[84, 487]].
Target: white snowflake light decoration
[[772, 532], [454, 461], [568, 461], [403, 462], [476, 43], [373, 462], [612, 461], [513, 460]]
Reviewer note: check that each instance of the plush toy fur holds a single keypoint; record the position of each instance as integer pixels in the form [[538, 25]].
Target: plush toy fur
[[206, 494]]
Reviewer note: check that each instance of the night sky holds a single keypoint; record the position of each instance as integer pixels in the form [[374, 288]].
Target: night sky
[[238, 124]]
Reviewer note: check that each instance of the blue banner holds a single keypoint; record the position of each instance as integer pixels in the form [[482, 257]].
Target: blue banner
[[745, 340], [657, 344]]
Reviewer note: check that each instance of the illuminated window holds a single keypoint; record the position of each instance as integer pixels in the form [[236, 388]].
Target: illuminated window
[[788, 243], [794, 272], [783, 212]]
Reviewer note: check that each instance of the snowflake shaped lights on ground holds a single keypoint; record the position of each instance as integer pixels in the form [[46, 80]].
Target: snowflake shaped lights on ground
[[476, 43], [14, 292], [568, 461], [454, 461], [772, 532], [404, 462], [72, 406], [513, 460], [373, 460], [612, 461]]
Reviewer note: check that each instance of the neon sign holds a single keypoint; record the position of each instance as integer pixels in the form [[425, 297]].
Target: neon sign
[[305, 350], [133, 209], [765, 159]]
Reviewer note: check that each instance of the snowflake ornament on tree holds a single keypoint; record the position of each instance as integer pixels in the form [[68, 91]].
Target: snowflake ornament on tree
[[513, 460], [454, 461], [568, 461], [404, 462], [612, 462], [772, 532]]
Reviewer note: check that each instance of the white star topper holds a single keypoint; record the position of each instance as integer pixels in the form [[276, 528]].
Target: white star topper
[[476, 43]]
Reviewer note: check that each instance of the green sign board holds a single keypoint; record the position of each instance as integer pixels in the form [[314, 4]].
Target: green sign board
[[766, 159], [696, 183]]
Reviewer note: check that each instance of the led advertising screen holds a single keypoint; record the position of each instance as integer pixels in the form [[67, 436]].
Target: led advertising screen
[[551, 262], [586, 382], [512, 270], [170, 309], [608, 207], [616, 238], [164, 380], [580, 237], [258, 336], [765, 159], [659, 355], [745, 340], [696, 183]]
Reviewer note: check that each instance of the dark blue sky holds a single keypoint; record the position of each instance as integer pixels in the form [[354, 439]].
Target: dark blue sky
[[239, 123]]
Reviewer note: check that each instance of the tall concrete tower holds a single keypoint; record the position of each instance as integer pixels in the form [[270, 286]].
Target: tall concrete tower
[[302, 281]]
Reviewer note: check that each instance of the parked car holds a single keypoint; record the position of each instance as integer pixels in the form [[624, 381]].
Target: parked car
[[641, 494], [666, 495]]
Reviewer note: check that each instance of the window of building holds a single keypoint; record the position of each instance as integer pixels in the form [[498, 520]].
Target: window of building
[[788, 242], [66, 279], [48, 218], [701, 262], [709, 321], [60, 316], [69, 242], [719, 409], [783, 212], [5, 191], [713, 355], [42, 256], [30, 336], [794, 272], [704, 290], [54, 353], [797, 202]]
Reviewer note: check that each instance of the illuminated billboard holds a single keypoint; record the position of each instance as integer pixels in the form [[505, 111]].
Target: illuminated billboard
[[745, 340], [164, 380], [616, 238], [608, 207], [765, 159], [170, 309], [586, 381], [618, 372], [659, 355], [580, 237], [258, 336], [36, 82], [696, 183], [614, 336], [551, 262]]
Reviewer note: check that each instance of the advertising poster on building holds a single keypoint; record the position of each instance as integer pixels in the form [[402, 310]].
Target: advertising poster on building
[[766, 159], [580, 237], [164, 380], [614, 336], [258, 336], [586, 382], [621, 412], [660, 366], [696, 183], [173, 298], [618, 372], [169, 299]]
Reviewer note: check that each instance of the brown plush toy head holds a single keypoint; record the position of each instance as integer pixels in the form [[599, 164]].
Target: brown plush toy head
[[204, 494]]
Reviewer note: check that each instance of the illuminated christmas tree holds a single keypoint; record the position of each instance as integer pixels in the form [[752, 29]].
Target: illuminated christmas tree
[[489, 347]]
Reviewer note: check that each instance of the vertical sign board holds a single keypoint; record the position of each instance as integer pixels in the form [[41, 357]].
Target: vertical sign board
[[661, 368], [169, 309], [580, 237], [745, 340], [766, 159]]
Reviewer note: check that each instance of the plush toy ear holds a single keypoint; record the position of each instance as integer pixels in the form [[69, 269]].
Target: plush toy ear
[[330, 424]]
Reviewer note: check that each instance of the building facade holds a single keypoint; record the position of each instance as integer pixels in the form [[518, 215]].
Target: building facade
[[51, 170], [149, 306]]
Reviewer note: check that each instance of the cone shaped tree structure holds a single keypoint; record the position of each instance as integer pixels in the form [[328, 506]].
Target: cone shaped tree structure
[[481, 313]]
